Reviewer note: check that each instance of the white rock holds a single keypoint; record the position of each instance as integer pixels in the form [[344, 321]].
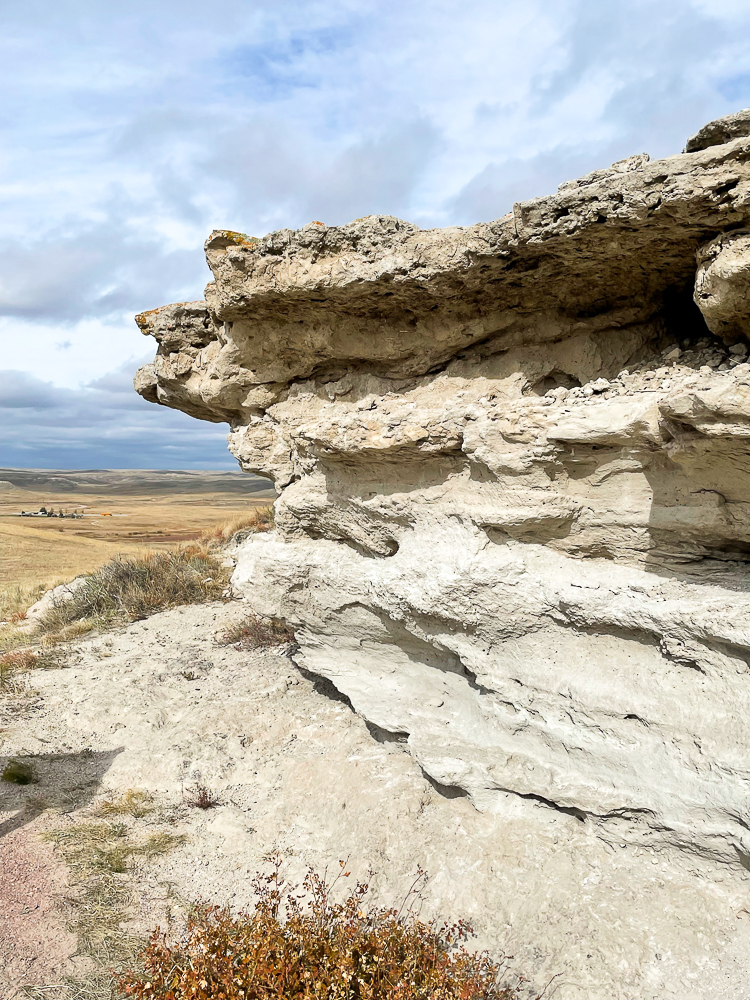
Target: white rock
[[546, 604]]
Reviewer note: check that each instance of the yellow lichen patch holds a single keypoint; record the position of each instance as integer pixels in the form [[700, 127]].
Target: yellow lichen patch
[[241, 239], [143, 321]]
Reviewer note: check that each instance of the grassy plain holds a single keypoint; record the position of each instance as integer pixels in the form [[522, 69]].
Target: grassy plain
[[125, 513]]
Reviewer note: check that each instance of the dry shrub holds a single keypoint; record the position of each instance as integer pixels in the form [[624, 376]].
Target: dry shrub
[[238, 528], [14, 663], [256, 633], [303, 946], [130, 589], [200, 797]]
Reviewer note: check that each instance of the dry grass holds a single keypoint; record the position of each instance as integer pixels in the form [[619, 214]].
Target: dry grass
[[11, 638], [99, 856], [134, 802], [40, 554], [14, 600], [130, 589], [46, 551], [257, 633], [238, 528], [35, 558], [13, 664]]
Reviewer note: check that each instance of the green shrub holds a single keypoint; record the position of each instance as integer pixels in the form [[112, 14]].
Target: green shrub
[[304, 946], [18, 772]]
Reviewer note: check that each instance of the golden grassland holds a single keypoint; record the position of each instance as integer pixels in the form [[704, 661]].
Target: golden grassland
[[41, 552]]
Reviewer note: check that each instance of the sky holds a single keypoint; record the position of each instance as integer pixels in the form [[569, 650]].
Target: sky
[[131, 130]]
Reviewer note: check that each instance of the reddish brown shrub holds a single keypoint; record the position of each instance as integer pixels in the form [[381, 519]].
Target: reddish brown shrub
[[16, 662], [303, 946], [200, 797]]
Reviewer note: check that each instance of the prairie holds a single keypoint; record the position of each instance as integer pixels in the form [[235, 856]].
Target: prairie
[[124, 512]]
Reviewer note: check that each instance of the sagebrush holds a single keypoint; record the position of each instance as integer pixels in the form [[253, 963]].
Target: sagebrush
[[301, 945]]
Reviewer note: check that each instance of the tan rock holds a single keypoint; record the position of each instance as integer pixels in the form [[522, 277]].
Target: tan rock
[[532, 574]]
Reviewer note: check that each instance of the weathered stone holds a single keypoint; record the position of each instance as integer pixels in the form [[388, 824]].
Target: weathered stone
[[722, 130], [513, 536], [722, 285]]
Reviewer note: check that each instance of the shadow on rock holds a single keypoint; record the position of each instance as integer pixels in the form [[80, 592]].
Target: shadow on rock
[[32, 783]]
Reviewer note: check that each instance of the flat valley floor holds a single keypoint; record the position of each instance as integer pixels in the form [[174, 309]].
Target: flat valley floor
[[124, 512]]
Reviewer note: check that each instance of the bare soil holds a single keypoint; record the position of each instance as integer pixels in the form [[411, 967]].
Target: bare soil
[[162, 707]]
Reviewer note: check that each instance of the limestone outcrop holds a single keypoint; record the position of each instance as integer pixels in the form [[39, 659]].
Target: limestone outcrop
[[514, 472]]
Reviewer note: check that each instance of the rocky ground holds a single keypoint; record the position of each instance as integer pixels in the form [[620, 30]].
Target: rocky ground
[[161, 707]]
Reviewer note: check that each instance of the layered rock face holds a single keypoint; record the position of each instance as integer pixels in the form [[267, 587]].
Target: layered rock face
[[514, 472]]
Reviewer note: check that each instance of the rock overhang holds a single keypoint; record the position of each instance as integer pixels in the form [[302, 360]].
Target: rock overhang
[[610, 250], [514, 468]]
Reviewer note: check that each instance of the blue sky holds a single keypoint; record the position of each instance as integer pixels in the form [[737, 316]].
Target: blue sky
[[131, 130]]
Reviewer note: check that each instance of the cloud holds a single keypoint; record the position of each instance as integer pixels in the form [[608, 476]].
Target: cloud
[[131, 130], [103, 425], [103, 270], [494, 190]]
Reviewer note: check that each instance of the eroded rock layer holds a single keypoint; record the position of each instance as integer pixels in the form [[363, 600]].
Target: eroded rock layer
[[514, 473]]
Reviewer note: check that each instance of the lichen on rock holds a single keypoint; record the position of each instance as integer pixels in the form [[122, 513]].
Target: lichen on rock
[[514, 471]]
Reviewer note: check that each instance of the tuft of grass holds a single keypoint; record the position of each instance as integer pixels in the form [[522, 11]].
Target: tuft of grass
[[15, 600], [12, 665], [200, 797], [12, 638], [130, 589], [15, 664], [134, 802], [18, 772], [240, 527], [257, 633], [301, 945]]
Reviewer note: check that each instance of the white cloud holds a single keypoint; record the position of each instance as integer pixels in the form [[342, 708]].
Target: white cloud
[[36, 348], [131, 130]]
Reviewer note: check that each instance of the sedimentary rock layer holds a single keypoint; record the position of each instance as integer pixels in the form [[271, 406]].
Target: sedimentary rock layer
[[514, 465]]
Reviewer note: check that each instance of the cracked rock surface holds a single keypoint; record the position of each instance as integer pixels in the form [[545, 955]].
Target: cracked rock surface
[[514, 467]]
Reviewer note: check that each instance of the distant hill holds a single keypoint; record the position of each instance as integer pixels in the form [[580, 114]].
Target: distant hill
[[129, 481]]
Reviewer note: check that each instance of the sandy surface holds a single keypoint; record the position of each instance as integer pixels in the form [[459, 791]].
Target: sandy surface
[[160, 706], [35, 946]]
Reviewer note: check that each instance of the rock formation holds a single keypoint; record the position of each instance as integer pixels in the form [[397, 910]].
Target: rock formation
[[514, 471]]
